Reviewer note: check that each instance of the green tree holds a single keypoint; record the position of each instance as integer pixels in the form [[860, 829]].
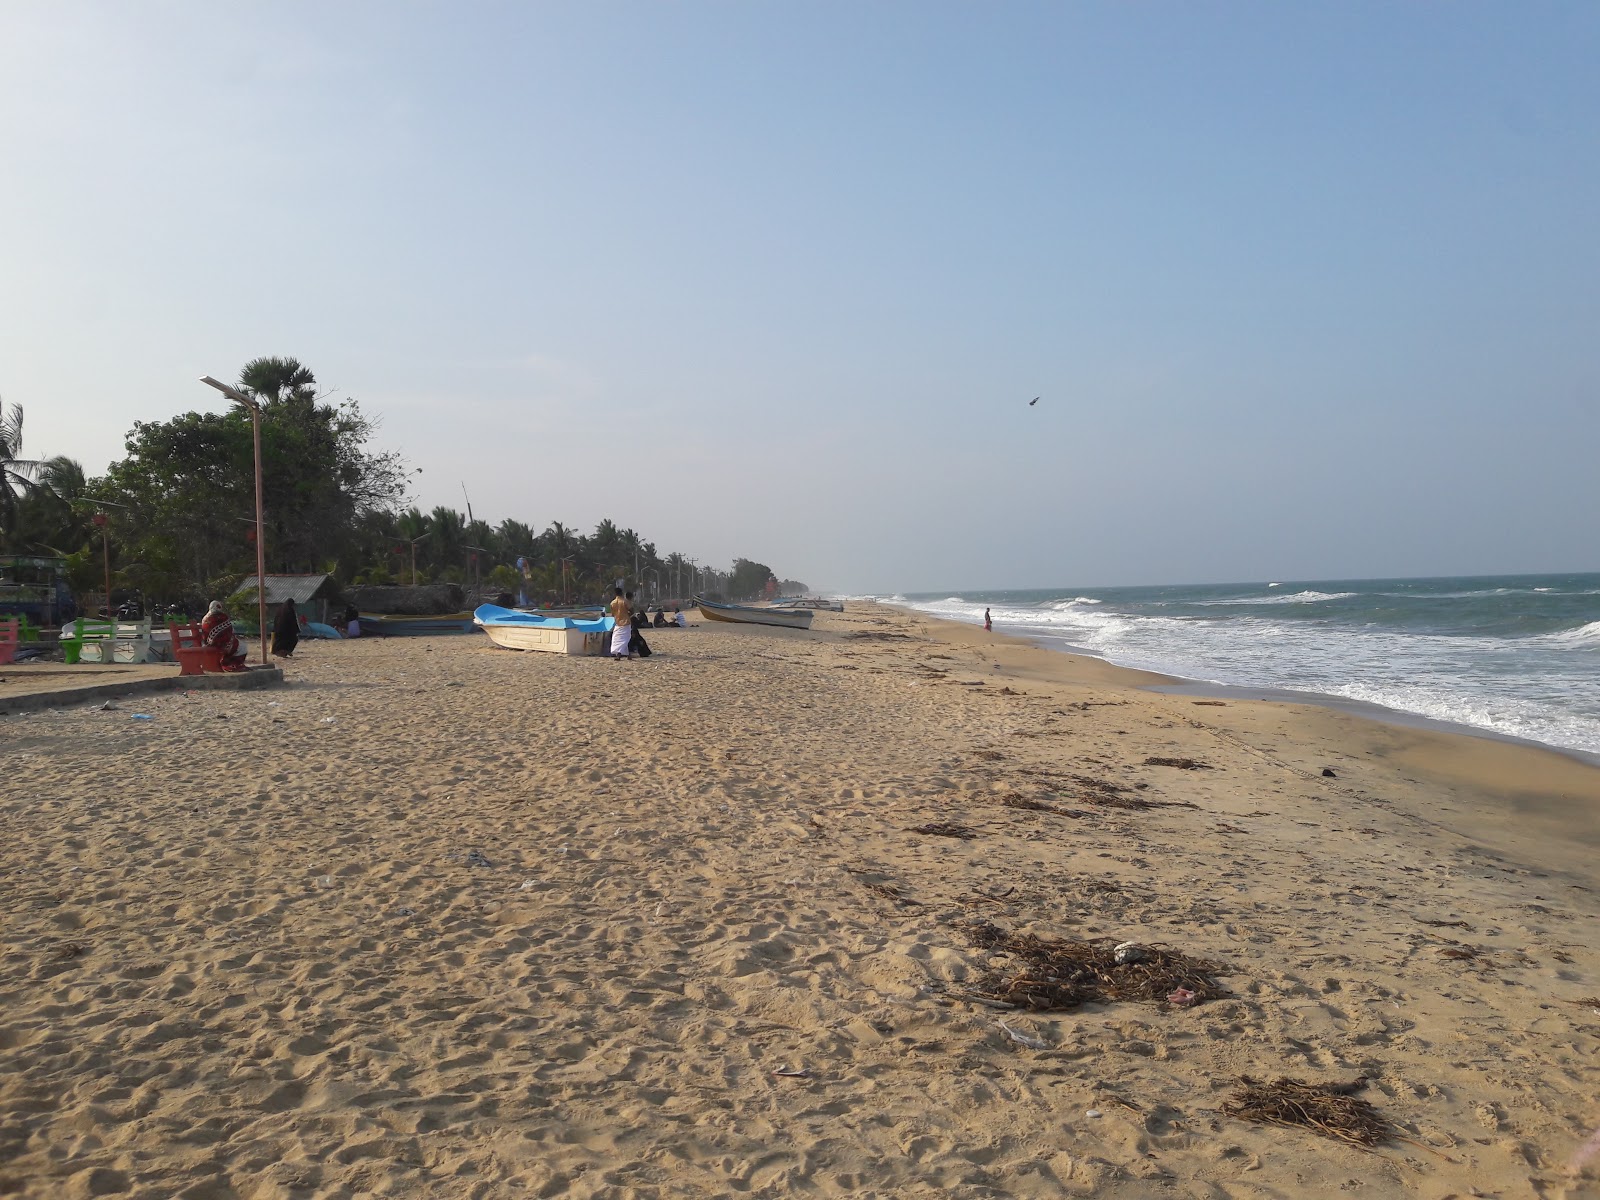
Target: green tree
[[53, 516], [191, 481], [16, 473], [748, 580]]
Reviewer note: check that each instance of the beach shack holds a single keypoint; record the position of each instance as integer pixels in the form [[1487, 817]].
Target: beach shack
[[313, 595], [36, 590]]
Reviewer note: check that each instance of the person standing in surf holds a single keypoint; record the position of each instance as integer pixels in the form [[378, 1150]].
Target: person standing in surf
[[622, 632], [988, 622]]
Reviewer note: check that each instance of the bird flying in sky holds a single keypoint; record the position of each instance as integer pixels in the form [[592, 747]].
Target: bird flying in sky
[[1032, 402]]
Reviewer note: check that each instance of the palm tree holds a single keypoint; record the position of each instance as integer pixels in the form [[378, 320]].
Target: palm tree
[[46, 515], [278, 380], [17, 474], [447, 547]]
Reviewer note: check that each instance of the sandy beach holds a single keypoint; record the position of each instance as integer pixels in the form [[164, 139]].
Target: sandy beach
[[440, 920]]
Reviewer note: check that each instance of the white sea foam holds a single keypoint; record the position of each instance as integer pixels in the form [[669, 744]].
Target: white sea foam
[[1540, 687], [1293, 599], [1584, 635]]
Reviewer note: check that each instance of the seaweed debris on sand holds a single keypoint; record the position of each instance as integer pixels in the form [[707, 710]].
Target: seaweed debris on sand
[[1332, 1109], [1058, 973]]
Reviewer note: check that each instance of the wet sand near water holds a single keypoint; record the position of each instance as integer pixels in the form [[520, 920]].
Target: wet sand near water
[[437, 919]]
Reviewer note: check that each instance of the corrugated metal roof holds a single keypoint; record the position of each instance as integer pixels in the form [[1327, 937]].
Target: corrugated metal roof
[[299, 588]]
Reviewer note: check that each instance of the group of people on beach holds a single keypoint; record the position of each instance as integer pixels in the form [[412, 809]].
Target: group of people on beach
[[216, 629], [626, 640]]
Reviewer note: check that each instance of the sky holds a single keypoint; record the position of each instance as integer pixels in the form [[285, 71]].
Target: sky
[[1306, 291]]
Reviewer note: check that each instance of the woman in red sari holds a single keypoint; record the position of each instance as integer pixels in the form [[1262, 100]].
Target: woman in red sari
[[217, 630]]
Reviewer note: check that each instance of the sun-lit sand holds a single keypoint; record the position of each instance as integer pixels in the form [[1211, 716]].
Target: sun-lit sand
[[441, 920]]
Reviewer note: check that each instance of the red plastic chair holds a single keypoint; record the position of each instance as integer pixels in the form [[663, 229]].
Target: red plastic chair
[[194, 656]]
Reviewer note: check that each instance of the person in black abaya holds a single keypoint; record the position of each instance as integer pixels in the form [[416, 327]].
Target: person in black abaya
[[636, 643], [286, 631]]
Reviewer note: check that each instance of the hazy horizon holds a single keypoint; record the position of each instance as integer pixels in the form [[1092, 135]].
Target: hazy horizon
[[1307, 293]]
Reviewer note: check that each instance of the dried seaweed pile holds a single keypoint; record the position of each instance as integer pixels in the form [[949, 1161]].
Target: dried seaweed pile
[[1116, 795], [1061, 973], [871, 635], [1332, 1109], [949, 829], [1018, 800], [1183, 764]]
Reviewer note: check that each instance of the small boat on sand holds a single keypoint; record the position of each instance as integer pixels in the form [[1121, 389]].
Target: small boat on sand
[[555, 635], [739, 614], [813, 602], [403, 625]]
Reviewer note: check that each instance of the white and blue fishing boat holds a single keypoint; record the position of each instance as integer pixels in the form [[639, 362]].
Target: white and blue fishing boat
[[554, 635]]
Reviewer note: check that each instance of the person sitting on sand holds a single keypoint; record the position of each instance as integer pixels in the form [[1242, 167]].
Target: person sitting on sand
[[216, 629], [622, 633], [660, 621], [678, 618]]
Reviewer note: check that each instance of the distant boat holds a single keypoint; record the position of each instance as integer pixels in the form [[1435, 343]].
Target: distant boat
[[515, 630], [813, 602], [400, 625], [739, 614]]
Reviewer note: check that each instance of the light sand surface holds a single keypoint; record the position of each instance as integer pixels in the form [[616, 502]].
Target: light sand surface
[[441, 920]]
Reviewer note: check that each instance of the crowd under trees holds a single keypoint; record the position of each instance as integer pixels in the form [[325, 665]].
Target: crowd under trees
[[179, 513]]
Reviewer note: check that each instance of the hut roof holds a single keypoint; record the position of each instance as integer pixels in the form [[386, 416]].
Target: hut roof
[[299, 588]]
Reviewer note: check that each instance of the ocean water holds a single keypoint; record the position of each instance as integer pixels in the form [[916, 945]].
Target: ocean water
[[1511, 655]]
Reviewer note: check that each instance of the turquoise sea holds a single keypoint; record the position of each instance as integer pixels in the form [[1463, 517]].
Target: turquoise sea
[[1516, 655]]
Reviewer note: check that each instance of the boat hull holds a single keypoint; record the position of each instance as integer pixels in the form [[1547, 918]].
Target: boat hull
[[513, 630], [406, 626], [572, 642], [738, 614]]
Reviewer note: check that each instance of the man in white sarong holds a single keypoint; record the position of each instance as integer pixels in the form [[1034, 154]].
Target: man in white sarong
[[622, 614]]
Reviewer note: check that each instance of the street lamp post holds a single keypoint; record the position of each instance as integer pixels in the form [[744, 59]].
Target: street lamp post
[[250, 403], [101, 519]]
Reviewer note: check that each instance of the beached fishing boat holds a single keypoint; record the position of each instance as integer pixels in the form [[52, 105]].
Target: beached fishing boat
[[812, 602], [402, 625], [555, 635], [739, 614]]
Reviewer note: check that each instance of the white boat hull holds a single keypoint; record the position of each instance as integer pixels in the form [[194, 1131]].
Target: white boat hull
[[575, 642], [738, 614]]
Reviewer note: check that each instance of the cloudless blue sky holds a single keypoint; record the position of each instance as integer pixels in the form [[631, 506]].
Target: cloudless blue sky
[[1309, 291]]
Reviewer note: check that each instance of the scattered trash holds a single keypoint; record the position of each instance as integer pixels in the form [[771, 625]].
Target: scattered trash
[[792, 1073], [1327, 773], [949, 829], [324, 880], [1023, 1039], [405, 911], [1094, 1112], [106, 707], [1129, 952], [1329, 1108], [143, 717], [329, 720], [528, 885], [475, 858], [1182, 997]]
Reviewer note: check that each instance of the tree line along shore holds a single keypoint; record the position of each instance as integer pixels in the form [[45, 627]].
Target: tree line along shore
[[173, 521]]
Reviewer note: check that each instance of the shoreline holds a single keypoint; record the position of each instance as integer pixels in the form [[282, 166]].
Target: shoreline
[[1185, 685], [437, 918]]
